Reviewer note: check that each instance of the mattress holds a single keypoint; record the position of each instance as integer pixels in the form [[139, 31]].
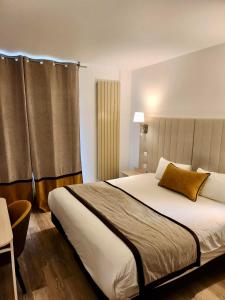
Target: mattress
[[107, 259]]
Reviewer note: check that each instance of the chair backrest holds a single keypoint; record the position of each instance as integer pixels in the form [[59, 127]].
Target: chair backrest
[[19, 213]]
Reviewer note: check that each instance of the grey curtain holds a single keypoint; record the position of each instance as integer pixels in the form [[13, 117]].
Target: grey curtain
[[53, 117], [15, 161]]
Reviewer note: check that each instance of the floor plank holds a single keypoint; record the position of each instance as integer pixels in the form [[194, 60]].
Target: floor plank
[[50, 272]]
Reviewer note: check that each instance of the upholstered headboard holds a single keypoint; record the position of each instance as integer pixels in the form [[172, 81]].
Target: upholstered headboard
[[209, 145], [200, 142]]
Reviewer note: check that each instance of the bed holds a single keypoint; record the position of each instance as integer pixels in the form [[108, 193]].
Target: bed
[[110, 261], [107, 258]]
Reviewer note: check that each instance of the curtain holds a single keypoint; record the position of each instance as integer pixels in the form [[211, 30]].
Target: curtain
[[53, 118], [15, 161]]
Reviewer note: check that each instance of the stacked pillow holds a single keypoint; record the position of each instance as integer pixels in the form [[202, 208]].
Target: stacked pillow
[[180, 178], [162, 165], [187, 183], [214, 187]]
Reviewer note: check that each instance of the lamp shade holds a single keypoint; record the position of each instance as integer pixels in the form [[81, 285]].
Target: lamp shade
[[139, 117]]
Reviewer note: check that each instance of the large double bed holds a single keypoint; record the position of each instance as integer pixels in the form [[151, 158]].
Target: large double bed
[[108, 259], [133, 235]]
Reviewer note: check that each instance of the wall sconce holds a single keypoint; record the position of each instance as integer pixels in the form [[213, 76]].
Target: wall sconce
[[140, 118]]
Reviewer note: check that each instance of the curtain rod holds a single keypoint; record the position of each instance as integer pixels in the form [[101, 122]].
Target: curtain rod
[[44, 59], [81, 66]]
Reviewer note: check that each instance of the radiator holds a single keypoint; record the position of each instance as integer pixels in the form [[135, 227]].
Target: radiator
[[108, 128]]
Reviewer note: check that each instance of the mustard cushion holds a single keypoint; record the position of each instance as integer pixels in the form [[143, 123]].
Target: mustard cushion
[[187, 183]]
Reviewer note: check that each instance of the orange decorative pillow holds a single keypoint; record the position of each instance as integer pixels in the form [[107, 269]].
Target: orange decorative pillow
[[187, 183]]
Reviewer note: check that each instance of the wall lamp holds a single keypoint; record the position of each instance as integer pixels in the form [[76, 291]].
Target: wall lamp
[[139, 117]]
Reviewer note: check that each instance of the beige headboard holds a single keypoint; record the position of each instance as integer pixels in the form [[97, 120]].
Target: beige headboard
[[200, 142], [209, 145]]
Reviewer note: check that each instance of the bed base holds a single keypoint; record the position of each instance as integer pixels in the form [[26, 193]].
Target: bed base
[[149, 293]]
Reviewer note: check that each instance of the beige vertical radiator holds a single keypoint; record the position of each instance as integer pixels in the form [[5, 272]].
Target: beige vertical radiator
[[108, 128]]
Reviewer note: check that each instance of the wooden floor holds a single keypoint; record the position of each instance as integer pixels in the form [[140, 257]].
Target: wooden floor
[[51, 273]]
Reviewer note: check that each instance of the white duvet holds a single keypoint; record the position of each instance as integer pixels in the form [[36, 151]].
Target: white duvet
[[107, 258]]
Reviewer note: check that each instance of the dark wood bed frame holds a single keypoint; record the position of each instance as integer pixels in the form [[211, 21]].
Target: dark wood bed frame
[[148, 293]]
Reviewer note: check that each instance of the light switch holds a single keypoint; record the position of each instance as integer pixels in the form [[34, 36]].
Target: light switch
[[144, 166]]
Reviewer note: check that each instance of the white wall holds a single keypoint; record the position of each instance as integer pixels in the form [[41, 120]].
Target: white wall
[[88, 112], [188, 86], [125, 118]]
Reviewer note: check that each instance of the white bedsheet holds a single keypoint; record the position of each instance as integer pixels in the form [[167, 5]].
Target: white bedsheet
[[107, 258]]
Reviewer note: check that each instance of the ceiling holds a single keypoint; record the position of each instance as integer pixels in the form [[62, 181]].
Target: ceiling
[[125, 33]]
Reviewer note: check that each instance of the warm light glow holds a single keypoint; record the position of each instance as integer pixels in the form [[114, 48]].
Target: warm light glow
[[139, 117], [153, 101]]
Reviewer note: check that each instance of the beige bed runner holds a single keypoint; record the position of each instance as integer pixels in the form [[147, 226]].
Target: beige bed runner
[[162, 247]]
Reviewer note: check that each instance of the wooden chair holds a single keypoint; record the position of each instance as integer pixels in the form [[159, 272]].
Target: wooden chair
[[19, 213]]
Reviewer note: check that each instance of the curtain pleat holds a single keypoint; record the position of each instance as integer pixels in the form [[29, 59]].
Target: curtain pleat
[[15, 161], [53, 118]]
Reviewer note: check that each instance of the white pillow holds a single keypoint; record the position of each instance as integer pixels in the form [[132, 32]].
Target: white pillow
[[214, 187], [162, 165]]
